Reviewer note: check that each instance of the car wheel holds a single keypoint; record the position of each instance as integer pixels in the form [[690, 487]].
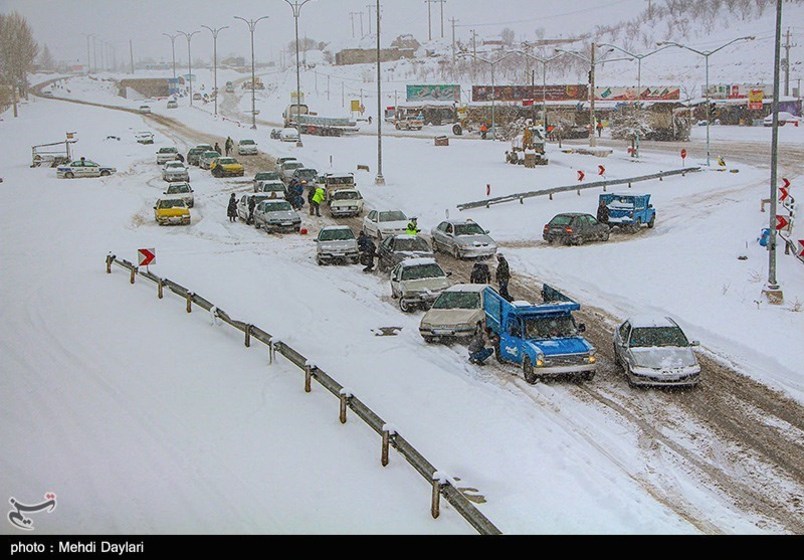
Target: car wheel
[[605, 235], [405, 305], [69, 175], [104, 173], [588, 375], [652, 221], [567, 241], [319, 261], [498, 353], [429, 339], [527, 371]]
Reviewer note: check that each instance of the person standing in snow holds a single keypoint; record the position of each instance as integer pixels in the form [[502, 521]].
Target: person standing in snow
[[228, 145], [252, 203], [367, 251], [480, 274], [318, 198], [218, 148], [412, 228], [503, 275], [603, 213], [231, 210]]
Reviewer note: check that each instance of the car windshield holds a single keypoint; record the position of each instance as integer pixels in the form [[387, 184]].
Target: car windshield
[[260, 197], [658, 336], [420, 271], [550, 327], [394, 216], [246, 142], [173, 189], [278, 206], [338, 234], [457, 300], [306, 173], [204, 148], [226, 161], [168, 150], [410, 243], [292, 165], [340, 180], [561, 220], [468, 229], [267, 176], [168, 203], [271, 186], [345, 195], [210, 155], [174, 165]]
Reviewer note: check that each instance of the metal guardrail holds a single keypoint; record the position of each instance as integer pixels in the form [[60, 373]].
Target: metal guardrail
[[440, 483], [554, 190]]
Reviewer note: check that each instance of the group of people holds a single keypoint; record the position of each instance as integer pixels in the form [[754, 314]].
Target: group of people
[[482, 275]]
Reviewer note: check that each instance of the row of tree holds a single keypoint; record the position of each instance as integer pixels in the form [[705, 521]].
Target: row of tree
[[18, 52]]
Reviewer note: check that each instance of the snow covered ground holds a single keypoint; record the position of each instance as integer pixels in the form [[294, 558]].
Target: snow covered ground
[[144, 419]]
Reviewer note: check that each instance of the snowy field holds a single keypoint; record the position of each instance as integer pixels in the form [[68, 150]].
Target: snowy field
[[144, 419]]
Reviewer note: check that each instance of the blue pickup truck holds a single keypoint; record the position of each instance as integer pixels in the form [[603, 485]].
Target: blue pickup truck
[[629, 211], [543, 339]]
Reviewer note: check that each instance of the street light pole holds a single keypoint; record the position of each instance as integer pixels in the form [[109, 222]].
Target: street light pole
[[189, 61], [296, 7], [544, 62], [491, 63], [706, 55], [252, 24], [379, 180], [215, 61], [639, 57], [173, 48], [592, 63], [773, 292], [89, 62]]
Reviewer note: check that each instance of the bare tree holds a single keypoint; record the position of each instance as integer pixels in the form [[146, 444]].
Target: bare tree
[[18, 51], [46, 61]]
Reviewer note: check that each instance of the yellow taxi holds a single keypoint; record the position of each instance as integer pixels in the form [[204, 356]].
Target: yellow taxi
[[226, 167], [171, 211]]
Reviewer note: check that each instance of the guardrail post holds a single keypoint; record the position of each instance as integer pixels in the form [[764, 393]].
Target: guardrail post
[[272, 350], [521, 200], [629, 184], [388, 432], [248, 336], [189, 302], [109, 261], [661, 177], [604, 188], [160, 289], [551, 196], [345, 396], [579, 192], [439, 481], [308, 377], [132, 275]]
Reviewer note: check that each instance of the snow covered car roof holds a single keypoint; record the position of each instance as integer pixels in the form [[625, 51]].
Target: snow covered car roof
[[651, 321], [328, 228], [466, 288], [417, 262]]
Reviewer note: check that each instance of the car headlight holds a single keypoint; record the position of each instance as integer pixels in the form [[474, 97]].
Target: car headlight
[[539, 359]]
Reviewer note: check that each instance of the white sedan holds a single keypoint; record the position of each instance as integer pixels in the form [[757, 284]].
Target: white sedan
[[382, 223], [175, 171], [181, 190], [654, 351]]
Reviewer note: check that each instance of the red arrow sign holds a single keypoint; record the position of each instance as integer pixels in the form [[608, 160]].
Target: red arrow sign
[[581, 175], [785, 193], [786, 182], [801, 242], [146, 256], [683, 153], [781, 222], [601, 170]]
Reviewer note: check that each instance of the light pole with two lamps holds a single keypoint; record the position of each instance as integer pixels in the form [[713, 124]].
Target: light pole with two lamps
[[706, 55], [491, 63], [189, 61], [296, 6], [592, 63], [544, 62], [252, 23], [215, 61], [638, 57]]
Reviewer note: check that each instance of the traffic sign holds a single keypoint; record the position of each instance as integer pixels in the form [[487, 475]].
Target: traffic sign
[[786, 182], [601, 170], [801, 242], [581, 175], [683, 153], [781, 223], [784, 193], [146, 256]]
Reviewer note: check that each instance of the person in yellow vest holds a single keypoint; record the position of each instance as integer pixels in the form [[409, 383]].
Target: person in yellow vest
[[318, 197], [412, 229]]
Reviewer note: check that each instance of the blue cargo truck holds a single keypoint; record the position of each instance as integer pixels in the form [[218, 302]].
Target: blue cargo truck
[[543, 339]]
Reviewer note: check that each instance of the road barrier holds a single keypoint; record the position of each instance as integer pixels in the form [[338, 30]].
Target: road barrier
[[597, 184], [440, 484]]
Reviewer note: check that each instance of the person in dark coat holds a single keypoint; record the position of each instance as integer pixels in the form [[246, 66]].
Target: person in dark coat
[[603, 213], [503, 275], [231, 210], [252, 203], [228, 145], [310, 195], [478, 351], [218, 148], [480, 274], [367, 251]]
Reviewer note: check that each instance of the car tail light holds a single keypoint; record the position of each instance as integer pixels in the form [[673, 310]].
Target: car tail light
[[546, 228], [567, 229]]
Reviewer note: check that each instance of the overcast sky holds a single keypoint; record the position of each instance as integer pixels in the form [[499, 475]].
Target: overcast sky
[[61, 23]]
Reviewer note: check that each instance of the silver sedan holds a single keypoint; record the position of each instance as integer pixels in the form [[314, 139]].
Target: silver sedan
[[463, 239]]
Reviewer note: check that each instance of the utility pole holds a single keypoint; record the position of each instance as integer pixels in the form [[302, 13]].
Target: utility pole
[[429, 25], [442, 2], [786, 63], [130, 53], [361, 25], [189, 37], [453, 21], [474, 42], [352, 17], [379, 179], [370, 7], [173, 48], [592, 137]]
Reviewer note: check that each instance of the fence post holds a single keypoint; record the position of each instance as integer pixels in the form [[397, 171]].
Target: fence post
[[308, 376], [109, 260], [189, 302], [387, 433], [579, 192], [604, 188], [248, 336], [132, 275], [629, 184], [551, 196], [271, 350], [439, 481], [521, 200], [345, 396], [160, 289]]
